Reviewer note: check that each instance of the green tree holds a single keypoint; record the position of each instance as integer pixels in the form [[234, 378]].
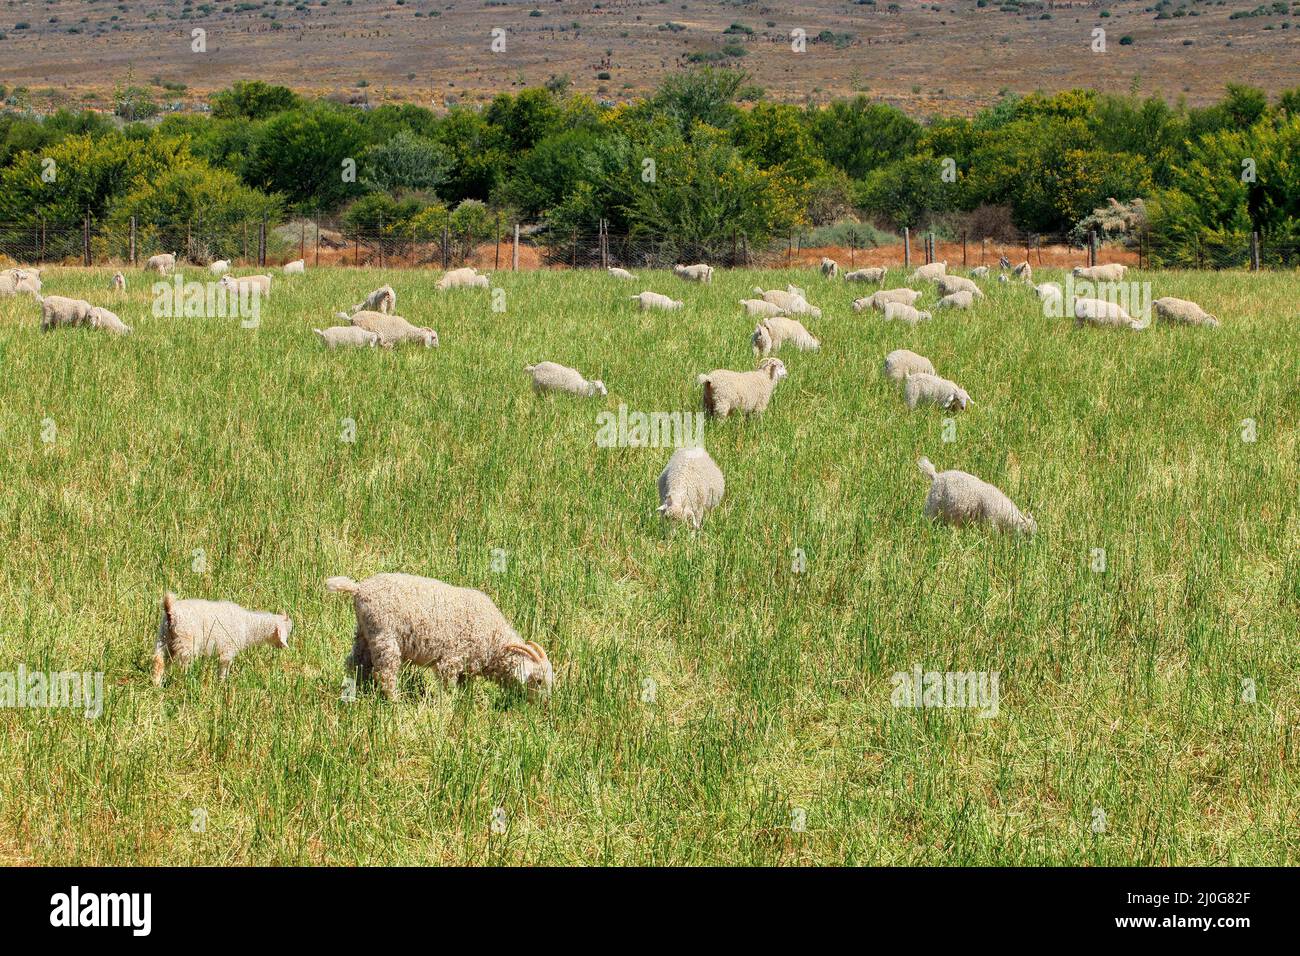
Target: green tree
[[81, 174], [704, 96], [478, 155], [253, 100], [908, 191], [1048, 170], [301, 154], [859, 136], [778, 136], [705, 192], [551, 171], [523, 120], [192, 202], [1234, 181], [404, 162]]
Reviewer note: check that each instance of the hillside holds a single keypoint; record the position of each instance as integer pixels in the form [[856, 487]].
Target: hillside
[[919, 56]]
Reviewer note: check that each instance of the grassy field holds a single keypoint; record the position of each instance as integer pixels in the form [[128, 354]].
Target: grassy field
[[1122, 737]]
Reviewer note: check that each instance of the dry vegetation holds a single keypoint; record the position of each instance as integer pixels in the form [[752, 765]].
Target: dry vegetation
[[919, 56]]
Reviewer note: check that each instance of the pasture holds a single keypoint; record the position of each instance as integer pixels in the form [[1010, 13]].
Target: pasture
[[721, 697]]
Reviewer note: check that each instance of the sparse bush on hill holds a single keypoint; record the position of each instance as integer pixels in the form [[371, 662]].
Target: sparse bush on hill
[[254, 100]]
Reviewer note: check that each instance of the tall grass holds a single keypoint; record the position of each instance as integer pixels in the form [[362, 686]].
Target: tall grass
[[1120, 691]]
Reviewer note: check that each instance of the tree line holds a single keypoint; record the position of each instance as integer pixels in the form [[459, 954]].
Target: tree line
[[705, 157]]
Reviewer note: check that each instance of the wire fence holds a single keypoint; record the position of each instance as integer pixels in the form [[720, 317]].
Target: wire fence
[[508, 246]]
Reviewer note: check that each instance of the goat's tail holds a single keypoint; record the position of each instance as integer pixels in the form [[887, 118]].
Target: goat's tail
[[341, 585], [927, 469]]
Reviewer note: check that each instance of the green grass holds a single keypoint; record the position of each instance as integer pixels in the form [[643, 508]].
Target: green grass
[[1120, 690]]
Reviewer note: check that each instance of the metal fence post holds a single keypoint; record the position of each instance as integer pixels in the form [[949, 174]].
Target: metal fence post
[[907, 247]]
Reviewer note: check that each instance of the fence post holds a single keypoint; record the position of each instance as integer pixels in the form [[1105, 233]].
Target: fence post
[[356, 249], [131, 243], [261, 243], [575, 247], [1254, 252], [43, 236], [497, 248], [963, 248], [316, 225], [302, 242], [514, 257], [907, 247], [381, 242], [446, 242]]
